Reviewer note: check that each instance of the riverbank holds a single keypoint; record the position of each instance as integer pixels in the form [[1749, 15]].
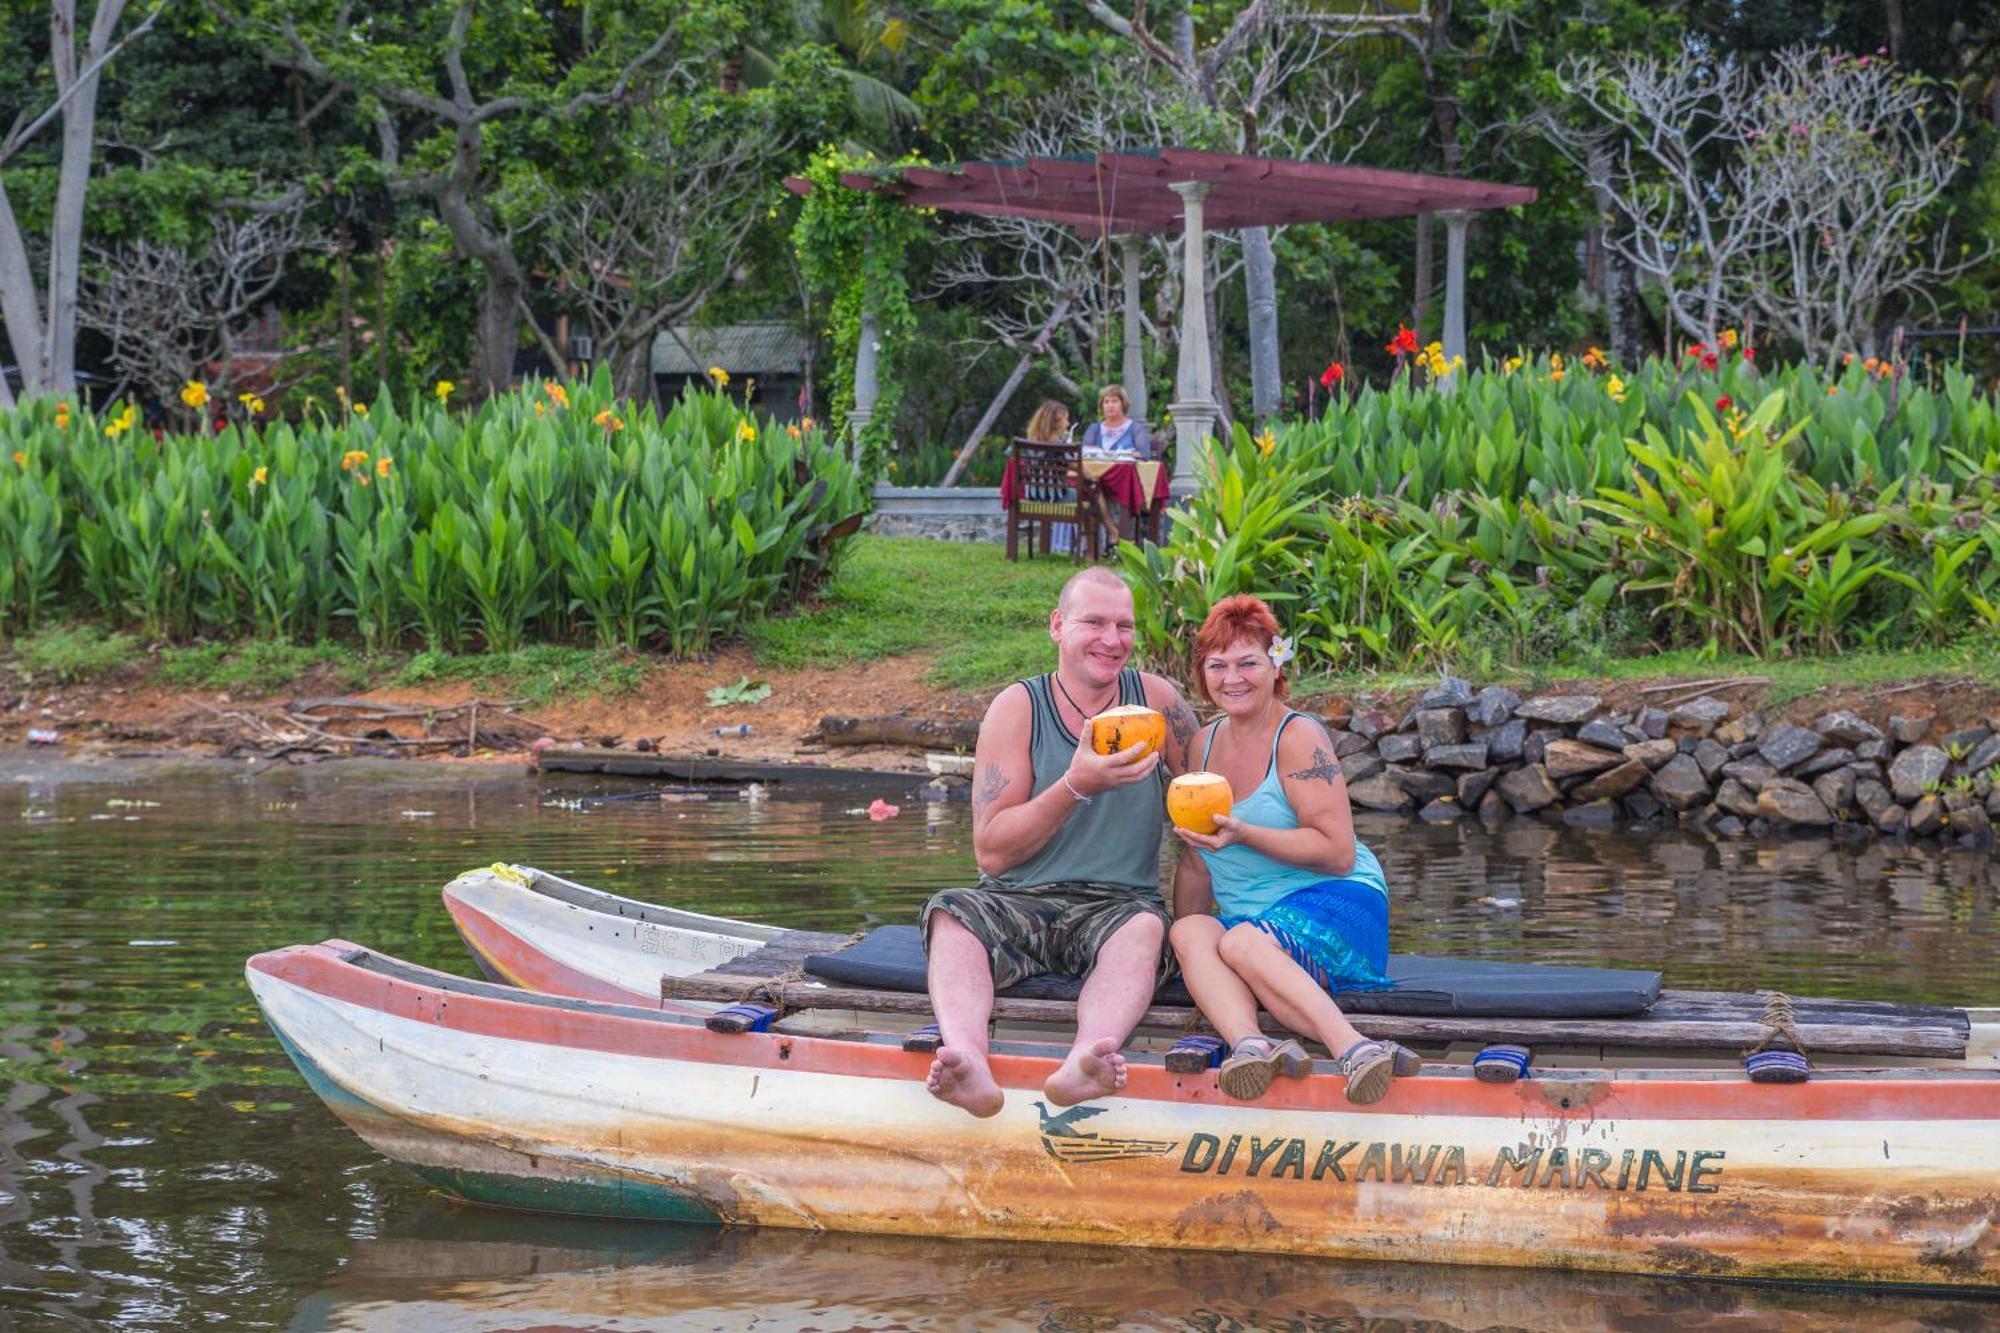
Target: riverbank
[[926, 633]]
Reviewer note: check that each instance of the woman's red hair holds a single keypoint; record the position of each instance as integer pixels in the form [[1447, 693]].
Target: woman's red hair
[[1237, 619]]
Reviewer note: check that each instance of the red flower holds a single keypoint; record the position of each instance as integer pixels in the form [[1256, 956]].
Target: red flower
[[1724, 403], [1405, 342], [1709, 361], [1332, 375], [1750, 354], [1697, 350]]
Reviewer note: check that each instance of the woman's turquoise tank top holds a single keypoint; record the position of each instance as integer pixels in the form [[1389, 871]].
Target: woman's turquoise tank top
[[1244, 880]]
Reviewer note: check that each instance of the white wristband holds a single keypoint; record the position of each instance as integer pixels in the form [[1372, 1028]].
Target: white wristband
[[1081, 799]]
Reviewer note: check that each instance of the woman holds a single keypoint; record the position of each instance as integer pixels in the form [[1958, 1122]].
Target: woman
[[1050, 425], [1116, 434], [1282, 905]]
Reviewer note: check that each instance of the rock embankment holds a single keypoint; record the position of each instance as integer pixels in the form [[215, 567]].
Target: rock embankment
[[1488, 752]]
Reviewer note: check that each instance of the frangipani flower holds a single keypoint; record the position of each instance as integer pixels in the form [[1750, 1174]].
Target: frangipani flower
[[1282, 651]]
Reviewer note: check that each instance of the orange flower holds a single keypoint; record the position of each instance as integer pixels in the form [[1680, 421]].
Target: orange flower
[[382, 466], [352, 459], [557, 394], [1404, 343], [20, 459], [62, 416]]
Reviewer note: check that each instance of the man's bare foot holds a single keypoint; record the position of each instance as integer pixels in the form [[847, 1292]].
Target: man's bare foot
[[965, 1081], [1097, 1070]]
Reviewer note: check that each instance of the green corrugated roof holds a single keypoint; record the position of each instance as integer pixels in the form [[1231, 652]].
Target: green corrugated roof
[[771, 347]]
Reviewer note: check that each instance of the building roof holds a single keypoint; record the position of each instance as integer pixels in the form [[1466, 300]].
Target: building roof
[[771, 347], [1127, 192]]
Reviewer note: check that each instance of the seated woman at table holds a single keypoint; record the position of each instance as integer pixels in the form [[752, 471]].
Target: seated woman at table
[[1115, 435], [1050, 425]]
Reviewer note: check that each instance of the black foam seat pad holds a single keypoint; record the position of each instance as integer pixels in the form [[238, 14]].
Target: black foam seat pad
[[892, 958]]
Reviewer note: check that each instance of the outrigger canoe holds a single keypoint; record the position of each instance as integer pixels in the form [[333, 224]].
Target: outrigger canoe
[[1881, 1169]]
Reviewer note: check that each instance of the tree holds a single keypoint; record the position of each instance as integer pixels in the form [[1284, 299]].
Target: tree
[[42, 330], [439, 80], [169, 310], [650, 247]]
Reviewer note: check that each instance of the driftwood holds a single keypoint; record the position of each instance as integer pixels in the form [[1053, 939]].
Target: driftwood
[[909, 732], [1861, 1038]]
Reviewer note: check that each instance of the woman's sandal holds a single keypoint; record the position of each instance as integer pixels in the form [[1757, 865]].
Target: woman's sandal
[[1369, 1065], [1246, 1075]]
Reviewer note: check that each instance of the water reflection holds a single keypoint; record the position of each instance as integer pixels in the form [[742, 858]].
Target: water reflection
[[161, 1164], [444, 1268]]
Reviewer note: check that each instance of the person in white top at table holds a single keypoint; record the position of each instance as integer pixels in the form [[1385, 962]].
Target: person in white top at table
[[1115, 435]]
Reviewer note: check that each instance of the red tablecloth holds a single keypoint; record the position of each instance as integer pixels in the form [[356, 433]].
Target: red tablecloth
[[1120, 481]]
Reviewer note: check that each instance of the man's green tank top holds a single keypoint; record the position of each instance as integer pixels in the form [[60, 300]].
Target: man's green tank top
[[1115, 839]]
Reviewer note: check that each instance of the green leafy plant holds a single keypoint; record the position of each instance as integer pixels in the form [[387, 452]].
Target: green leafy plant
[[744, 691]]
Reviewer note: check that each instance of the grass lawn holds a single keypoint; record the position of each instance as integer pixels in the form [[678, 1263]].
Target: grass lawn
[[979, 621], [984, 620]]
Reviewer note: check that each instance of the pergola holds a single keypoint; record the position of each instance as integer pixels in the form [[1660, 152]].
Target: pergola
[[1135, 193]]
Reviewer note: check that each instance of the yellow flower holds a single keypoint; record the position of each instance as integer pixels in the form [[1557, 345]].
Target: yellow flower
[[443, 390], [557, 394], [1728, 338], [260, 476], [20, 459], [62, 416], [245, 398], [1267, 440], [382, 466], [1616, 388], [720, 376], [1555, 360], [122, 422], [194, 393], [256, 406], [1434, 349], [1511, 364], [538, 409], [340, 392], [745, 431], [806, 423], [352, 459], [361, 409], [1595, 359]]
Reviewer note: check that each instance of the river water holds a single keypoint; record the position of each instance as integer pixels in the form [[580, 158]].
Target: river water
[[162, 1165]]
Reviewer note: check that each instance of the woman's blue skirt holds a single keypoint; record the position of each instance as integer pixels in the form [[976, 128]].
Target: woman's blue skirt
[[1337, 930]]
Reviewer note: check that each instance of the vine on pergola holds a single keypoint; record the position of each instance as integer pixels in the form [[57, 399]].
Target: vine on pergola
[[851, 246]]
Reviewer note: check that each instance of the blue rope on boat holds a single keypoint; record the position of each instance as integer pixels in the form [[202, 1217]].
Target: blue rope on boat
[[1776, 1066], [1501, 1064], [924, 1039], [1211, 1049], [742, 1018]]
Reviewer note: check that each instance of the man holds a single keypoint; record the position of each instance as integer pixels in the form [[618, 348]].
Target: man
[[1068, 846]]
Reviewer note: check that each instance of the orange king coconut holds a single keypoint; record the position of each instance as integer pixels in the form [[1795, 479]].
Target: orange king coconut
[[1123, 727], [1195, 799]]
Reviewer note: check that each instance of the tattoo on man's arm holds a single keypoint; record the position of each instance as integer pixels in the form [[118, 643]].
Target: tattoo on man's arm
[[1183, 721], [1325, 768], [992, 781]]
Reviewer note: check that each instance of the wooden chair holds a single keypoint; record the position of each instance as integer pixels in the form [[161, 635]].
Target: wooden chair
[[1049, 488]]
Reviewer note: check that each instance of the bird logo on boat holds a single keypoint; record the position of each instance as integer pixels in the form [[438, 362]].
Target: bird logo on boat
[[1066, 1143]]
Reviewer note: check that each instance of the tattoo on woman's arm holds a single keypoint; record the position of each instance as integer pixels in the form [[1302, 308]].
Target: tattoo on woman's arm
[[992, 781], [1325, 768]]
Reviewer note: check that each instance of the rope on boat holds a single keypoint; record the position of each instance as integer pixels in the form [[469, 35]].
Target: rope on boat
[[1767, 1063]]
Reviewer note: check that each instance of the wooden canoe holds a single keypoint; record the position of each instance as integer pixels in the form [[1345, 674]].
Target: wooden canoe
[[1872, 1175]]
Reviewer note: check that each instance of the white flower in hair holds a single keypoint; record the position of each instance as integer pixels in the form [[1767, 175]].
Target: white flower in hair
[[1281, 651]]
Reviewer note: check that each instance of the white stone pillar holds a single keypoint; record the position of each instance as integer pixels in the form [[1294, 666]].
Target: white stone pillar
[[1134, 367], [1194, 406], [1455, 223], [867, 388]]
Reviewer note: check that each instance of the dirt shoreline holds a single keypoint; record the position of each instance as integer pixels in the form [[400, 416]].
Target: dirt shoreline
[[132, 714]]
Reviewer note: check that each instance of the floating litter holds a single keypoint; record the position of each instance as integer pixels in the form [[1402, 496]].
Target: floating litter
[[1499, 902], [419, 814], [153, 944], [879, 810]]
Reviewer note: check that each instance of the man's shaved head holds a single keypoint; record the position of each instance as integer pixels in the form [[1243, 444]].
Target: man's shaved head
[[1089, 574]]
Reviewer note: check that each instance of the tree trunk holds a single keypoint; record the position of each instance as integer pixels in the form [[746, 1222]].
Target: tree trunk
[[986, 420], [79, 142], [1606, 270], [632, 369], [499, 330], [20, 305], [1260, 283]]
